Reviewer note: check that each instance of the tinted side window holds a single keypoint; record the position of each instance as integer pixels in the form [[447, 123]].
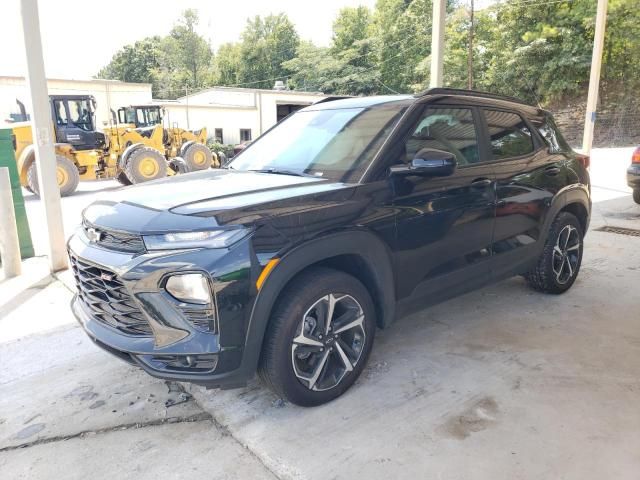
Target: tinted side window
[[509, 135], [449, 129], [61, 112], [552, 136]]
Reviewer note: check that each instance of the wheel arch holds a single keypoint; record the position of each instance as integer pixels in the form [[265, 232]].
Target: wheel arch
[[27, 157], [580, 211], [358, 253], [127, 153]]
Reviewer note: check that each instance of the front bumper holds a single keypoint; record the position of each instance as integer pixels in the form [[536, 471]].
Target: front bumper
[[633, 176], [174, 349]]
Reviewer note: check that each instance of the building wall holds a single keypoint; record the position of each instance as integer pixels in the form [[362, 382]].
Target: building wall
[[107, 93], [230, 119], [233, 109]]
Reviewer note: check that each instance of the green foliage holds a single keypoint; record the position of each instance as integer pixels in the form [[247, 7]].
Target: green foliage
[[216, 147], [534, 49], [134, 63], [171, 63], [266, 44]]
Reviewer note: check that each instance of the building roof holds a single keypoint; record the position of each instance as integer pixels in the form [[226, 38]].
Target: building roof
[[80, 80], [250, 90]]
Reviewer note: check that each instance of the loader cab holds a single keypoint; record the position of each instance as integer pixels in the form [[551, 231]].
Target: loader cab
[[74, 121], [142, 116]]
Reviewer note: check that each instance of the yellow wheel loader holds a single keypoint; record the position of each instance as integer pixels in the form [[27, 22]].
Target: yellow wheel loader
[[83, 153], [190, 145]]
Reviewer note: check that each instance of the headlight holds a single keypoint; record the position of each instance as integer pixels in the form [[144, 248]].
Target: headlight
[[205, 239], [189, 287]]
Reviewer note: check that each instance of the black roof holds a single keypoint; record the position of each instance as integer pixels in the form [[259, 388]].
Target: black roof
[[336, 102], [470, 93]]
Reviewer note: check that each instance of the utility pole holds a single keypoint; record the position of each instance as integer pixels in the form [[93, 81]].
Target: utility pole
[[594, 79], [43, 136], [437, 43], [186, 96], [470, 54]]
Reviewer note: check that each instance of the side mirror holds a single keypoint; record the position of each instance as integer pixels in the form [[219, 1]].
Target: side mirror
[[428, 162]]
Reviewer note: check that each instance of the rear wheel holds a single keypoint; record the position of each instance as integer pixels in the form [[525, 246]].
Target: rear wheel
[[145, 164], [636, 195], [559, 263], [319, 337], [198, 157], [67, 176]]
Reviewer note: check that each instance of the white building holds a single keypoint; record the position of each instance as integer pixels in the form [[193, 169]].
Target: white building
[[109, 95], [233, 115]]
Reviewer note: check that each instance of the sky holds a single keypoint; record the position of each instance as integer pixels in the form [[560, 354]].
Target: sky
[[79, 37]]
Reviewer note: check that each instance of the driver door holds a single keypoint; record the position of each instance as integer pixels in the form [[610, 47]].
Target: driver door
[[444, 224]]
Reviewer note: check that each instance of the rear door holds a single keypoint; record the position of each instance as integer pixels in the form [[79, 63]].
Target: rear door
[[444, 224], [527, 178]]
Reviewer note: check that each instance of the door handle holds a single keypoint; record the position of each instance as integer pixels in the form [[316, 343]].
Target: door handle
[[552, 170], [481, 183]]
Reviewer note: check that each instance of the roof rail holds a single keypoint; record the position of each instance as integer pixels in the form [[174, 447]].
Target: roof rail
[[469, 93]]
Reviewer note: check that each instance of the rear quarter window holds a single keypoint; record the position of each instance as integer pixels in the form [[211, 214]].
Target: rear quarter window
[[553, 138], [509, 135]]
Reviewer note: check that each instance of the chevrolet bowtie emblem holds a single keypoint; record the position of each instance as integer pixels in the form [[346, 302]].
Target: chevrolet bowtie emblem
[[93, 235]]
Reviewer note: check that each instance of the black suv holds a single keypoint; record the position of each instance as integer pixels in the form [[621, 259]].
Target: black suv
[[341, 218]]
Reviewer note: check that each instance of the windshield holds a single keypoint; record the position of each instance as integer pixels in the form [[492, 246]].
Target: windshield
[[335, 144], [148, 117], [80, 114]]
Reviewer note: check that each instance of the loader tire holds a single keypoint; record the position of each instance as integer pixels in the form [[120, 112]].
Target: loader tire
[[67, 176], [198, 157], [145, 164], [122, 178]]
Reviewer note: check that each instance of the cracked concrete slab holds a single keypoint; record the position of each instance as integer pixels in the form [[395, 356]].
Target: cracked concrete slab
[[170, 451], [93, 392]]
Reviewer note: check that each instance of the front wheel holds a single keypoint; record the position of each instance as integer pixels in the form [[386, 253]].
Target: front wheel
[[560, 261], [319, 338], [67, 176], [636, 195]]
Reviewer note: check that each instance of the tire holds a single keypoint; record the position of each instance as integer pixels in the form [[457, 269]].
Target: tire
[[66, 172], [636, 195], [122, 178], [559, 263], [144, 164], [289, 367], [178, 165], [198, 157]]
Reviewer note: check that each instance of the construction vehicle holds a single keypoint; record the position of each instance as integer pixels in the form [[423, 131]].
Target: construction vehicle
[[83, 153], [190, 145]]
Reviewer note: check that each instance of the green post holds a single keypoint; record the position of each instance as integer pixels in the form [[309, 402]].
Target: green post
[[8, 159]]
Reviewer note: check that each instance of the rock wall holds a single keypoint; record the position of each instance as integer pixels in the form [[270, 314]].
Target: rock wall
[[616, 125]]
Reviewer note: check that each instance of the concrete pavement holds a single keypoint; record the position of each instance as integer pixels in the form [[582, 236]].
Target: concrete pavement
[[500, 383]]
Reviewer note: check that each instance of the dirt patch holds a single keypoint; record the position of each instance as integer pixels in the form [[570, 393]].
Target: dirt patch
[[481, 415]]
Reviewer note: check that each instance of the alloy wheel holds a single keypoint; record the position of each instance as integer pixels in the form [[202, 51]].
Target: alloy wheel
[[328, 342], [566, 254]]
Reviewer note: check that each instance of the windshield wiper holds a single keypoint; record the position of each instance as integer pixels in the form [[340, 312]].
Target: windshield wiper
[[279, 171]]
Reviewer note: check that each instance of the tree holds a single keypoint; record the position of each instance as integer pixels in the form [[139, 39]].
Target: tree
[[266, 43], [186, 49], [134, 63], [170, 63], [352, 25], [403, 31], [226, 65]]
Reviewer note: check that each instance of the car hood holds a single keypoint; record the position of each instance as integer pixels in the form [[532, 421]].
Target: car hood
[[179, 203]]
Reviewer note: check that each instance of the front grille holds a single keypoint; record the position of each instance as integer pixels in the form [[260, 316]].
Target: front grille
[[113, 239], [107, 298]]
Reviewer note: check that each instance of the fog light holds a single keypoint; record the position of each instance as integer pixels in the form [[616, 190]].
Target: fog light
[[190, 288]]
